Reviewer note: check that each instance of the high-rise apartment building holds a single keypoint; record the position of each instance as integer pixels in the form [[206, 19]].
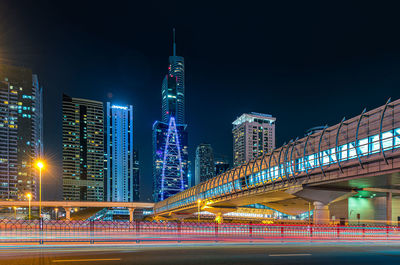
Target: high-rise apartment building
[[83, 149], [253, 136], [121, 174], [21, 132], [170, 159], [204, 163]]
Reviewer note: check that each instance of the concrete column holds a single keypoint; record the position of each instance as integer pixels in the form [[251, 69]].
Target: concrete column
[[389, 208], [321, 213], [67, 213], [131, 211]]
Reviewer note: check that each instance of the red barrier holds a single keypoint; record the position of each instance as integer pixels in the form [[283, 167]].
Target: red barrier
[[121, 231]]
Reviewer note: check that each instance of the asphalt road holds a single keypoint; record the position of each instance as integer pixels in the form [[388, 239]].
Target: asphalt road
[[208, 254]]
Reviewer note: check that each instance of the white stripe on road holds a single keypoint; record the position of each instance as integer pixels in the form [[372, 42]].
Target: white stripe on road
[[288, 255], [82, 260]]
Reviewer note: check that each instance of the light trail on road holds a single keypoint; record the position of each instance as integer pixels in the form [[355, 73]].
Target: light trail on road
[[84, 260]]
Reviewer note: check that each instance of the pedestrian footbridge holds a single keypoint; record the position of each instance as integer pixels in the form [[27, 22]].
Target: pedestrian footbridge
[[356, 157]]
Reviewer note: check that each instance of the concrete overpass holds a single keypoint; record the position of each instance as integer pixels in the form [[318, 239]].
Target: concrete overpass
[[327, 170], [68, 205]]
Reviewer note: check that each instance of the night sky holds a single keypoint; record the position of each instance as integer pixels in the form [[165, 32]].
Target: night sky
[[306, 63]]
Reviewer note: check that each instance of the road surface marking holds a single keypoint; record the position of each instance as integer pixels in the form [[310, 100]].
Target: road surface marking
[[288, 255], [82, 260]]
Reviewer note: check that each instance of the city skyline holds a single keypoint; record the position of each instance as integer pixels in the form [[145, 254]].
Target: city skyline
[[179, 132], [263, 70]]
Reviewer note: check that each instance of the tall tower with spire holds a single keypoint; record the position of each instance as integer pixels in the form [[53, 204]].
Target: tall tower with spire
[[173, 88], [170, 152]]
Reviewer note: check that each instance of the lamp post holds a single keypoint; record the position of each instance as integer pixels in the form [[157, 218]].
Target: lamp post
[[198, 210], [40, 165], [56, 209], [29, 203]]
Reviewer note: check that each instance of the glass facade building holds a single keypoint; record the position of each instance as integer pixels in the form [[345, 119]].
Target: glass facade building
[[121, 167], [170, 155], [173, 89], [21, 131], [83, 149], [204, 163], [170, 160]]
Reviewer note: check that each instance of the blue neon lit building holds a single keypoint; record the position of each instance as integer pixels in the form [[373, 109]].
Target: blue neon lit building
[[170, 152], [121, 165], [170, 159], [173, 89]]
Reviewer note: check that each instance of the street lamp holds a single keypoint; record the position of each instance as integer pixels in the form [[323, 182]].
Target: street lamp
[[15, 212], [29, 199], [198, 210], [40, 165]]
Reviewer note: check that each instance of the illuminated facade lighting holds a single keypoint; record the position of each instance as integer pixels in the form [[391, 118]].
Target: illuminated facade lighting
[[170, 155], [121, 167], [170, 159], [119, 107], [172, 174], [173, 89]]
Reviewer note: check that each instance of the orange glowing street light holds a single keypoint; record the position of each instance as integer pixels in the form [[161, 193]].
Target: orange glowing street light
[[29, 195], [40, 165], [198, 210]]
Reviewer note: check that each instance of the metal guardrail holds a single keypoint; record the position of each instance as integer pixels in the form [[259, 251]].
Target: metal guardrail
[[40, 231]]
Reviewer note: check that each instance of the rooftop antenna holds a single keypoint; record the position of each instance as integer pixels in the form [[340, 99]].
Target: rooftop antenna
[[174, 45]]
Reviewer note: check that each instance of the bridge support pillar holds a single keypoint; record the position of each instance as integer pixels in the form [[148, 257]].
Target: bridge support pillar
[[321, 213], [389, 208], [67, 213], [219, 218], [131, 211]]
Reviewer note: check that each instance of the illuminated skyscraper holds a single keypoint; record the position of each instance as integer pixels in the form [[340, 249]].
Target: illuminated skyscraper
[[170, 155], [173, 89], [83, 149], [253, 136], [21, 132], [122, 183], [204, 164]]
